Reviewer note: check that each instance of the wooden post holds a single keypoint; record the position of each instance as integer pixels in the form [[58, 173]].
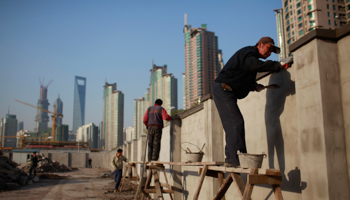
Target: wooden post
[[223, 188], [249, 187], [221, 181], [204, 172], [278, 192], [239, 183]]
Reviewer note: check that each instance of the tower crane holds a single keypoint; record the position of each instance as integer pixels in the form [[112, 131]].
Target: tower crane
[[53, 117]]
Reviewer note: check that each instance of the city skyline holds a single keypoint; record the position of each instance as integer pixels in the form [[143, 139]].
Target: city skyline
[[96, 41]]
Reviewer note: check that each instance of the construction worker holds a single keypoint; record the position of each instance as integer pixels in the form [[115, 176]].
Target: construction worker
[[153, 119], [117, 164], [33, 164], [234, 82]]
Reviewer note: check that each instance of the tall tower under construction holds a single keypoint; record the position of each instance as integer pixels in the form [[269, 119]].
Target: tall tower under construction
[[42, 117]]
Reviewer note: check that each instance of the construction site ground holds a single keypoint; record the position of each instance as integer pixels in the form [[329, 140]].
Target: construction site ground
[[84, 183]]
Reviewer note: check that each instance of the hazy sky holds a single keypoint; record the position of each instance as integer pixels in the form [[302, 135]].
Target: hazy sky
[[113, 40]]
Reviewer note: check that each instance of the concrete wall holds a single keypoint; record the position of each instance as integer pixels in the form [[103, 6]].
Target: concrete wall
[[62, 158], [20, 158], [79, 160]]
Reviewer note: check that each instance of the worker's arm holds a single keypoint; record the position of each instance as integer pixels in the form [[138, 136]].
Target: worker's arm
[[125, 159], [165, 115], [145, 118], [252, 63], [113, 163]]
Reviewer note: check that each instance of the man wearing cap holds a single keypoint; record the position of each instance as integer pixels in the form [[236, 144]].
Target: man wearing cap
[[234, 82]]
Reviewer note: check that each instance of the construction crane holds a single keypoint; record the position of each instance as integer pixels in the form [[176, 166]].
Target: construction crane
[[15, 136], [53, 117]]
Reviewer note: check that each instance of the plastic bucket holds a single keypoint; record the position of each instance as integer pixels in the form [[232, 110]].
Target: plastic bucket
[[251, 160], [193, 156]]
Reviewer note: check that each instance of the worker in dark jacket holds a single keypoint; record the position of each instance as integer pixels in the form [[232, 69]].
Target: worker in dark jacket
[[153, 119], [234, 82], [33, 164]]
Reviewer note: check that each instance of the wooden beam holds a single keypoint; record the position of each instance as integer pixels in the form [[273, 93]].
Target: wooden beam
[[239, 183], [278, 192], [223, 188], [273, 172], [264, 179], [157, 184], [204, 172], [249, 187], [210, 173], [190, 164], [221, 181], [152, 189]]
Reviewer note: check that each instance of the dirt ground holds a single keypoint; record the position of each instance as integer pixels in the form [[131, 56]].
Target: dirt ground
[[84, 184]]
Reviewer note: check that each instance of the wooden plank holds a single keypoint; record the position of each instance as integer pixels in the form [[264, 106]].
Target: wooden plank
[[210, 173], [278, 192], [149, 177], [264, 179], [196, 195], [157, 184], [221, 181], [223, 188], [190, 164], [155, 167], [249, 187], [239, 183], [152, 189], [273, 172]]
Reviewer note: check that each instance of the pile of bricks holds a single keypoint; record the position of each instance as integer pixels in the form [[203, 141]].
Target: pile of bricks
[[10, 176]]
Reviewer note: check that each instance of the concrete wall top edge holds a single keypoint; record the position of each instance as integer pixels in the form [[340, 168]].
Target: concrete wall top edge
[[324, 34]]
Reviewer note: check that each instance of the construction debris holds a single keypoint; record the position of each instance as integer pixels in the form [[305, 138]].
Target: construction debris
[[47, 165], [10, 176], [106, 174]]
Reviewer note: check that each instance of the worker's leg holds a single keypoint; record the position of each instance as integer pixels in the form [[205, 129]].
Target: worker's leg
[[31, 170], [34, 171], [118, 177], [150, 142], [156, 142], [232, 121]]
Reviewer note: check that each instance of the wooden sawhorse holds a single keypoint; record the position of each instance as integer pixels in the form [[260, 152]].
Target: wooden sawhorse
[[255, 176], [158, 188], [128, 171]]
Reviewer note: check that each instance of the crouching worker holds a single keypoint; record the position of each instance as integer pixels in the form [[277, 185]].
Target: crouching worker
[[117, 164], [153, 119]]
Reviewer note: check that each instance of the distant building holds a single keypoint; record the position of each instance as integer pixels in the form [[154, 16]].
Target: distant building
[[202, 63], [42, 117], [59, 109], [101, 136], [88, 133], [128, 132], [113, 116], [298, 18], [61, 132], [79, 102], [20, 126], [72, 136], [8, 131], [140, 106]]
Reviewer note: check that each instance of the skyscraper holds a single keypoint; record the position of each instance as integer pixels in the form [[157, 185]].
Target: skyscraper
[[59, 109], [298, 18], [140, 106], [8, 127], [201, 62], [20, 126], [42, 117], [163, 86], [61, 132], [113, 116], [79, 102], [88, 133]]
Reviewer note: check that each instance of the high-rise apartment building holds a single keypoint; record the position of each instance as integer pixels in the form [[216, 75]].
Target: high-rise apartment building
[[88, 133], [140, 106], [79, 102], [201, 62], [113, 116], [59, 109], [20, 126], [42, 117], [299, 17], [128, 132], [8, 127]]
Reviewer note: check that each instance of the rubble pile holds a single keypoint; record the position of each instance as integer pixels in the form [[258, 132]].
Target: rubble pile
[[10, 176], [47, 165]]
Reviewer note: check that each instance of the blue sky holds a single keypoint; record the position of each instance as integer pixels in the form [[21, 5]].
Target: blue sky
[[113, 40]]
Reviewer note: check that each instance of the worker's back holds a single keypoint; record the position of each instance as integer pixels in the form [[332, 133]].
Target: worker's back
[[155, 116]]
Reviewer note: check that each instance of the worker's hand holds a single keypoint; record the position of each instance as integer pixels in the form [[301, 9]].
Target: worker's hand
[[259, 87], [285, 65]]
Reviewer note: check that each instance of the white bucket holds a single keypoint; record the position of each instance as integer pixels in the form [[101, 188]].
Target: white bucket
[[251, 160]]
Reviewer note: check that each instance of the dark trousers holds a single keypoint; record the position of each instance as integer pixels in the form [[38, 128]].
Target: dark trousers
[[31, 169], [117, 177], [154, 139], [232, 121]]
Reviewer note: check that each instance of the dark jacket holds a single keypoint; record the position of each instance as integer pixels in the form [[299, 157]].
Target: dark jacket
[[34, 161], [240, 71], [155, 115]]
